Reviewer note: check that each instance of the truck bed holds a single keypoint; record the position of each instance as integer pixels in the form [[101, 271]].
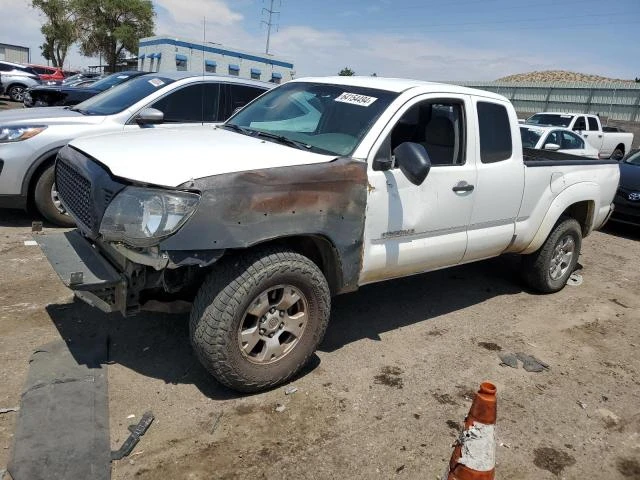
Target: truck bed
[[544, 158]]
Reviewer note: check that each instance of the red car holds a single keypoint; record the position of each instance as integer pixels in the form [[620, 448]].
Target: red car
[[48, 73]]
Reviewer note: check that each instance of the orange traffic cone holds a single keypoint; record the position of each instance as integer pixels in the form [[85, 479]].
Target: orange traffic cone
[[474, 455]]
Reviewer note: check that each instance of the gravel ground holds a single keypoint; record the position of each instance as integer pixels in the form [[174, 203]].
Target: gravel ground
[[389, 386]]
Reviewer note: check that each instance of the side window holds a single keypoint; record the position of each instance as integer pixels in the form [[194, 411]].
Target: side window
[[181, 65], [240, 95], [437, 125], [570, 141], [495, 132], [580, 125], [593, 124], [182, 106], [554, 138]]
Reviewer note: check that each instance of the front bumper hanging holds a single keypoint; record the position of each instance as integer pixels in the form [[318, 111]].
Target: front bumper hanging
[[81, 268]]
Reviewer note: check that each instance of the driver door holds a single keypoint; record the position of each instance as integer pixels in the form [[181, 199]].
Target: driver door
[[415, 228]]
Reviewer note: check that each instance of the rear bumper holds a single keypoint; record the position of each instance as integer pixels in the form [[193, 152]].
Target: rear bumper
[[84, 270]]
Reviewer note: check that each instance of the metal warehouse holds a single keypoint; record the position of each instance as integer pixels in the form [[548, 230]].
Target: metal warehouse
[[165, 54], [14, 53]]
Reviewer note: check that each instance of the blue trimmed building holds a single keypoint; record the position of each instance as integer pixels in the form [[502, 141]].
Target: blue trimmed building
[[170, 54]]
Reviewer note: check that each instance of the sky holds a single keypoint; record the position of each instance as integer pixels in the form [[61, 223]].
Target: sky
[[425, 39]]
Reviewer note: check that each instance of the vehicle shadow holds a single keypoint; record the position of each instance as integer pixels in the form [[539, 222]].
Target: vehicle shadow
[[630, 232], [379, 308], [19, 218], [157, 344]]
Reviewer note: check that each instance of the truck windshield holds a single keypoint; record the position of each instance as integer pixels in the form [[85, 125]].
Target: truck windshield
[[530, 136], [122, 96], [550, 119], [323, 118]]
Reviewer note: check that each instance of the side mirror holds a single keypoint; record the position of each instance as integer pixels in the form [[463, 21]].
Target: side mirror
[[149, 116], [552, 146], [413, 160]]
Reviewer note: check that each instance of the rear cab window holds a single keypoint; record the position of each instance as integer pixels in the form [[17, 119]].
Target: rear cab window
[[496, 144]]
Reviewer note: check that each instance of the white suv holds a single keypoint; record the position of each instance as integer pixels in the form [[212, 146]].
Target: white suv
[[16, 79]]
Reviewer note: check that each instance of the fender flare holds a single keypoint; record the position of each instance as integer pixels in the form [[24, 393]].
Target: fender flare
[[578, 192]]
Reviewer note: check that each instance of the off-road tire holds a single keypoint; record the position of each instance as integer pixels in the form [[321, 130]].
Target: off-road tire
[[44, 203], [536, 266], [223, 299]]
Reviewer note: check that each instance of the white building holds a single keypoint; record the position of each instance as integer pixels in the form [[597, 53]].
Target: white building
[[14, 53], [168, 54]]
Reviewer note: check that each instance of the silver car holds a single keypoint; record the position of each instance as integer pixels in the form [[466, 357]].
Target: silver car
[[16, 78], [31, 138]]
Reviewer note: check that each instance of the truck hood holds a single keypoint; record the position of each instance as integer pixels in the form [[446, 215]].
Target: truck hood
[[171, 157], [46, 116]]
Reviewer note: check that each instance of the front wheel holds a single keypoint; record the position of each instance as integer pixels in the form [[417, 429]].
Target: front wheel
[[258, 318], [548, 269], [47, 201], [16, 93]]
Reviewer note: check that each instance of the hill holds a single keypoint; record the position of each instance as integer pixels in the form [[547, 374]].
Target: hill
[[558, 76]]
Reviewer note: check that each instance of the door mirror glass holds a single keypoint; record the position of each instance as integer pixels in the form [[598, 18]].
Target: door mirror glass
[[552, 146], [413, 161], [150, 116]]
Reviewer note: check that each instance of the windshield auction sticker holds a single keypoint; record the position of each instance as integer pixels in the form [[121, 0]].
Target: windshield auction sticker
[[156, 82], [356, 99]]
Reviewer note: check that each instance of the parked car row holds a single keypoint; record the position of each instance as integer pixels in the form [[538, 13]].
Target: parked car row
[[30, 138], [16, 78]]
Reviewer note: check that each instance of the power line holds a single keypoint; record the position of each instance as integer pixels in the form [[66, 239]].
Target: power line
[[269, 23]]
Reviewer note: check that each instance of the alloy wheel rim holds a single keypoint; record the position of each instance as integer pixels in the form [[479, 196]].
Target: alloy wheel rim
[[562, 257], [55, 198], [273, 324]]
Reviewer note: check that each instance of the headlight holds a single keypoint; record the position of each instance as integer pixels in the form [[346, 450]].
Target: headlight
[[17, 134], [141, 217]]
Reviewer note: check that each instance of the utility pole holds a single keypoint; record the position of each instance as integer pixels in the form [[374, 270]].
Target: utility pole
[[269, 23]]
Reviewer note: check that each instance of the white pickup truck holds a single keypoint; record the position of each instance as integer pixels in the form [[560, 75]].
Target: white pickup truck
[[610, 144], [316, 188]]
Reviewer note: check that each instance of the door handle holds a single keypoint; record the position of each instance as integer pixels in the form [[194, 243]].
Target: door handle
[[463, 187], [585, 135], [599, 136]]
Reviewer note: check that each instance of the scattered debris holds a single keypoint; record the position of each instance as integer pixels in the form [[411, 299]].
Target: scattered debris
[[618, 302], [137, 453], [453, 425], [7, 410], [582, 404], [531, 363], [505, 445], [290, 390], [216, 422], [575, 280], [280, 407], [136, 432], [36, 226], [390, 376], [131, 416], [30, 243], [400, 468], [552, 460], [604, 398], [508, 359]]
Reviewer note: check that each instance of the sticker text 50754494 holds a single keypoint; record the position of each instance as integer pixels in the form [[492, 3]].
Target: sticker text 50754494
[[356, 99]]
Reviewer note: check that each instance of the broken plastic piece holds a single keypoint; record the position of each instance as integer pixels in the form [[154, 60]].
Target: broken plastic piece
[[280, 408], [290, 390], [575, 280], [508, 359], [531, 363], [36, 226], [133, 439], [10, 409]]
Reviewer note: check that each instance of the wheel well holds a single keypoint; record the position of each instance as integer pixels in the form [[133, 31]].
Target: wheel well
[[621, 147], [583, 212], [35, 175], [320, 251], [13, 85]]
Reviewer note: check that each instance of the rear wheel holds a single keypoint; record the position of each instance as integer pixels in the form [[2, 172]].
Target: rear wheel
[[16, 93], [258, 318], [618, 153], [47, 201], [548, 269]]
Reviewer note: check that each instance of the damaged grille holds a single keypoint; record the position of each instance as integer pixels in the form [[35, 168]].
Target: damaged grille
[[75, 192]]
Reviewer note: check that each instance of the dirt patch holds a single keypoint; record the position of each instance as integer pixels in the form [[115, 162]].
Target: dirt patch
[[390, 376], [629, 467], [494, 347], [453, 425], [444, 399], [552, 460]]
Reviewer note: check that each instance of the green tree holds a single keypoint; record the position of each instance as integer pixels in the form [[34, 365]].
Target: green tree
[[59, 30], [113, 27], [346, 72]]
